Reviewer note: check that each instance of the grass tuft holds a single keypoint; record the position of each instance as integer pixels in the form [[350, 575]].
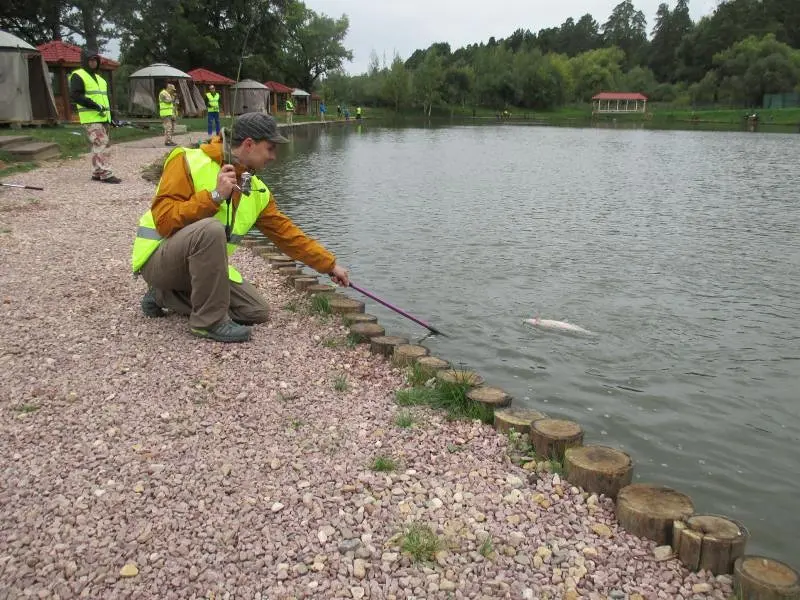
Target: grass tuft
[[383, 464], [404, 419], [340, 383], [420, 542]]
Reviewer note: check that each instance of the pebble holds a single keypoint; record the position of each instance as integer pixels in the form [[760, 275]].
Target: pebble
[[129, 570]]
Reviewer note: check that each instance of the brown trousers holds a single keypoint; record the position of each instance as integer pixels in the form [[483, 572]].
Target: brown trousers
[[189, 272]]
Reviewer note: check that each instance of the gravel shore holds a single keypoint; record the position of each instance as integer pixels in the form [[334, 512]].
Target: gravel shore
[[141, 462]]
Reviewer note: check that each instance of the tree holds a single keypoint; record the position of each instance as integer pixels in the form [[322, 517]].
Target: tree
[[428, 80], [757, 66], [313, 44], [397, 84], [596, 71], [626, 28], [35, 21], [668, 32]]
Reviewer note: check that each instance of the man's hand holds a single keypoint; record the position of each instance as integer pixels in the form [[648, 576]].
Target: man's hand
[[340, 276], [226, 180]]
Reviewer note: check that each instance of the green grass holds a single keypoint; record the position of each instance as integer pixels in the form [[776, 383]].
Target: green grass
[[404, 419], [450, 397], [27, 408], [416, 374], [291, 306], [383, 464], [486, 549], [340, 383], [420, 542], [320, 304]]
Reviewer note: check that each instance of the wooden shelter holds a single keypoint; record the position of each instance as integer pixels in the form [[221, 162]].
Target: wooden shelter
[[301, 101], [278, 94], [619, 102], [203, 78], [63, 58], [146, 83]]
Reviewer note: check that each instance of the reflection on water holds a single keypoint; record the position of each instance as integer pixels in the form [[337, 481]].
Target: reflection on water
[[678, 248]]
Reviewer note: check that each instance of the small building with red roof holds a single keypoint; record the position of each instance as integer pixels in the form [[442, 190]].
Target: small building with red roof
[[203, 78], [619, 102], [278, 93], [63, 58]]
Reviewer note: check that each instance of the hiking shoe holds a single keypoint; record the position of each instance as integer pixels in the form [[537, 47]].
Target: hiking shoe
[[112, 179], [170, 144], [224, 331], [150, 307]]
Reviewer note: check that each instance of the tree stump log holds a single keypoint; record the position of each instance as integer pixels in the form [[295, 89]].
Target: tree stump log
[[364, 332], [282, 264], [709, 542], [598, 469], [551, 437], [342, 304], [468, 378], [321, 288], [351, 318], [291, 278], [491, 396], [272, 256], [301, 283], [517, 419], [432, 364], [760, 578], [286, 271], [385, 344], [649, 511], [407, 354]]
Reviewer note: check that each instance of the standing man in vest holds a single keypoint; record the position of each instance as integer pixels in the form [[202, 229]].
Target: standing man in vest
[[197, 220], [358, 113], [89, 91], [212, 101], [167, 99], [289, 109]]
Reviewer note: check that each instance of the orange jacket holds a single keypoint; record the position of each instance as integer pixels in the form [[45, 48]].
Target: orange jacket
[[177, 205]]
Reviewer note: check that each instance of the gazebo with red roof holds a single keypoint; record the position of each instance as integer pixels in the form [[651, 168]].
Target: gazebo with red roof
[[63, 58], [619, 102], [278, 93], [203, 77]]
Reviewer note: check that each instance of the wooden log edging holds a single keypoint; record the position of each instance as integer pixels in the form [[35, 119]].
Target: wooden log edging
[[713, 543]]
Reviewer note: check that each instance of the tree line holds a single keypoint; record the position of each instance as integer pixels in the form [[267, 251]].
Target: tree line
[[743, 50]]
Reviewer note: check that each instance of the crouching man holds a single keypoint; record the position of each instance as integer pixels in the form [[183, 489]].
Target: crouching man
[[184, 241]]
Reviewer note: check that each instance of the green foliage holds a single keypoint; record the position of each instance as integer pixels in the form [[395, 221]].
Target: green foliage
[[383, 464], [340, 383], [320, 304], [404, 420], [420, 542], [450, 397]]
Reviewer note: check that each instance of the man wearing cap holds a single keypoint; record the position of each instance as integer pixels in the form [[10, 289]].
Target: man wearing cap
[[196, 221], [167, 100], [88, 89]]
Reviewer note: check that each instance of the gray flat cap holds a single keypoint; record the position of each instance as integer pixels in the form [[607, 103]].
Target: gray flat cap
[[257, 126]]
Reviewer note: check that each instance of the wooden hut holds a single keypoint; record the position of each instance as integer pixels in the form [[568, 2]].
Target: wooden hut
[[203, 78], [278, 94]]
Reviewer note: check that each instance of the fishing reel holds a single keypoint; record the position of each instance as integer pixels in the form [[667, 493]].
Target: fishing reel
[[246, 185]]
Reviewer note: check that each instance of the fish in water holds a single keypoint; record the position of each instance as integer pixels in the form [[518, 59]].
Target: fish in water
[[555, 325]]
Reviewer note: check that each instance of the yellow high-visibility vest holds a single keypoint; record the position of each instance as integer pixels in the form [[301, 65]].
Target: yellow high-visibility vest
[[203, 171]]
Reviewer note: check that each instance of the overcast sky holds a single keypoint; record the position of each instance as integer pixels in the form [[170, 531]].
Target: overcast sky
[[405, 25]]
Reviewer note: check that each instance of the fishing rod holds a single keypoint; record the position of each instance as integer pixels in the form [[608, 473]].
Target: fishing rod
[[22, 186], [399, 311]]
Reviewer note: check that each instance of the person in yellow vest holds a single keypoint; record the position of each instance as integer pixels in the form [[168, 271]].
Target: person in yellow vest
[[167, 110], [289, 109], [358, 113], [212, 104], [89, 92], [196, 222]]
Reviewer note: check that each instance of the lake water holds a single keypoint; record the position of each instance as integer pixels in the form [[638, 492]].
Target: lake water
[[678, 249]]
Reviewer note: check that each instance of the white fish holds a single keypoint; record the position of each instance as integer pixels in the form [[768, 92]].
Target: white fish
[[556, 325]]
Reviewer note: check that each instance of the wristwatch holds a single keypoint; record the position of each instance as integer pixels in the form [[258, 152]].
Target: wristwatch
[[215, 197]]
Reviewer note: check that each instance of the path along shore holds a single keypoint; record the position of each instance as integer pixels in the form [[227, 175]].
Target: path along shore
[[141, 462]]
